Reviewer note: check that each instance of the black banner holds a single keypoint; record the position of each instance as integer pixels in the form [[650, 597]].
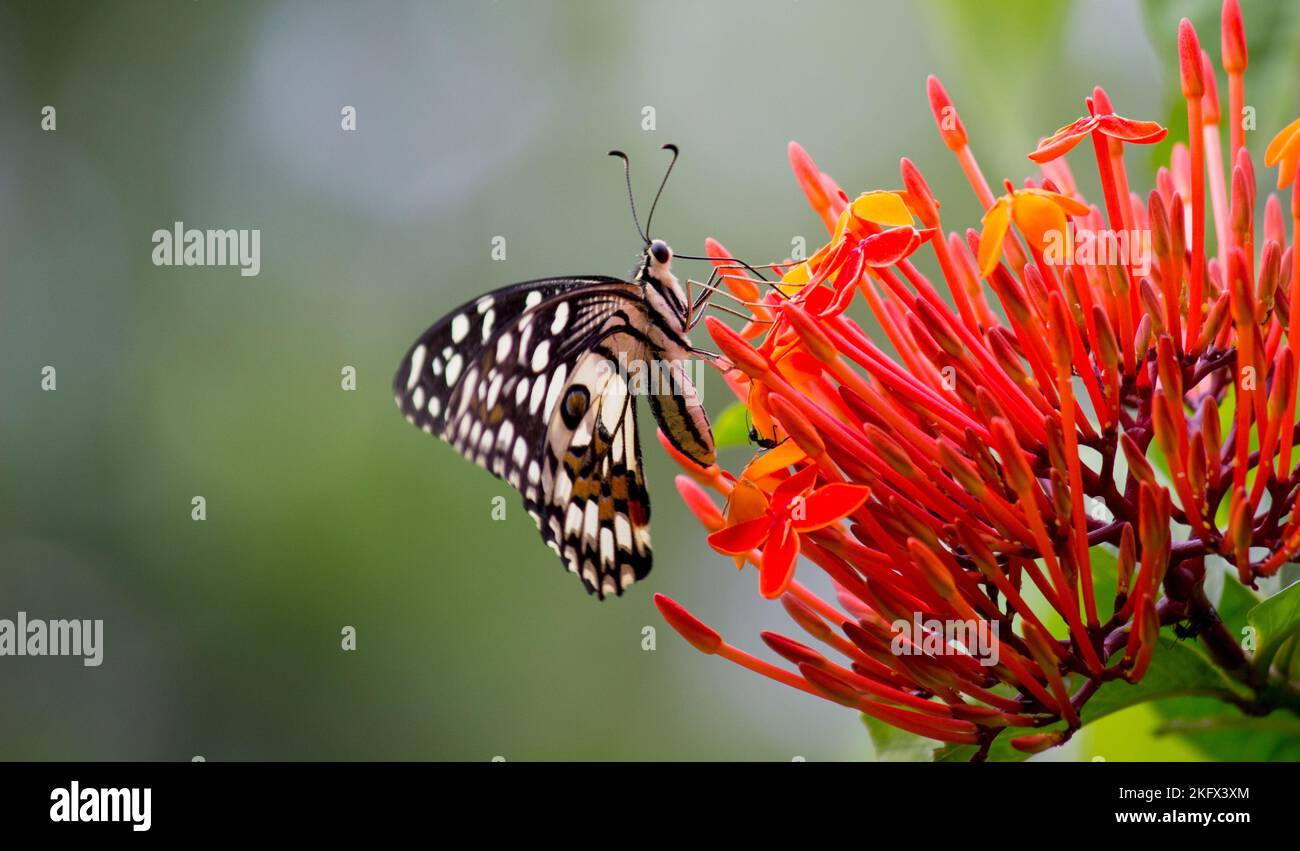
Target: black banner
[[128, 800]]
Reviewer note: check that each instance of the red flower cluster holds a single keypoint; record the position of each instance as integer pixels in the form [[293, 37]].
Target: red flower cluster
[[1048, 406]]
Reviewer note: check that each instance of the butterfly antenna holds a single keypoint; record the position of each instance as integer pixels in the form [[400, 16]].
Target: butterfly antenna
[[627, 175], [739, 263], [655, 203]]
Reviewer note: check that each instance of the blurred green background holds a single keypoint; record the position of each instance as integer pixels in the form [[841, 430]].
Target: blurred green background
[[324, 508]]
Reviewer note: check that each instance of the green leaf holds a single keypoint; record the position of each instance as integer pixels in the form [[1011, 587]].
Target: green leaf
[[1275, 620], [1222, 732], [1178, 669], [1182, 677], [731, 428], [895, 745], [1235, 604]]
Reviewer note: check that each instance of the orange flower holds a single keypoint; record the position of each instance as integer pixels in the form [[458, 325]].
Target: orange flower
[[876, 230], [1284, 149], [796, 507], [1114, 126], [954, 482], [1038, 214]]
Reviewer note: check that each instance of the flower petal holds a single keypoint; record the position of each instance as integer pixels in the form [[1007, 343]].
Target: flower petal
[[1128, 130], [816, 299], [1289, 137], [747, 501], [996, 223], [889, 247], [883, 208], [1286, 168], [846, 285], [792, 487], [1071, 206], [1038, 218], [786, 455], [777, 566], [740, 539], [828, 504], [1060, 142]]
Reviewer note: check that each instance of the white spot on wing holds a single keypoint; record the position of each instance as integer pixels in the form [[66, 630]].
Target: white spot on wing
[[453, 369], [526, 331], [539, 392], [541, 355], [606, 546], [612, 403], [417, 364], [532, 299], [459, 328], [557, 384], [561, 317], [623, 531]]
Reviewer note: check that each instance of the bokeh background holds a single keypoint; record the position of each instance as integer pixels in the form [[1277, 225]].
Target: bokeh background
[[324, 508]]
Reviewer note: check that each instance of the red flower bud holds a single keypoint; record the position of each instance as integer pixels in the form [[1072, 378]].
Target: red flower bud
[[687, 625], [737, 349], [1233, 43], [801, 431], [1189, 60], [920, 199], [945, 115]]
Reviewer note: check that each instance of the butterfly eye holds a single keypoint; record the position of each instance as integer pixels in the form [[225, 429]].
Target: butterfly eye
[[660, 251]]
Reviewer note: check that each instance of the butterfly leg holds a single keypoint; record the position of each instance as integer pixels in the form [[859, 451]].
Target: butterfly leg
[[697, 304], [713, 358], [703, 301]]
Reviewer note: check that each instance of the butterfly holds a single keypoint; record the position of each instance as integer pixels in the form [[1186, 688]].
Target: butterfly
[[536, 383]]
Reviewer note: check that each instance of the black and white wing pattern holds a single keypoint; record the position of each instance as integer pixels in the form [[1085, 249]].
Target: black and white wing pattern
[[525, 382], [595, 511]]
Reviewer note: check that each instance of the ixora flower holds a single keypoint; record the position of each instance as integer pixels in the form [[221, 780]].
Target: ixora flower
[[795, 508], [1018, 498]]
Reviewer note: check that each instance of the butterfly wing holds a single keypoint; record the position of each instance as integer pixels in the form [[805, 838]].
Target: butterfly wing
[[489, 379], [595, 511]]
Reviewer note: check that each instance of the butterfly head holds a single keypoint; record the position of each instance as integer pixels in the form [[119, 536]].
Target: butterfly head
[[658, 260], [662, 291]]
